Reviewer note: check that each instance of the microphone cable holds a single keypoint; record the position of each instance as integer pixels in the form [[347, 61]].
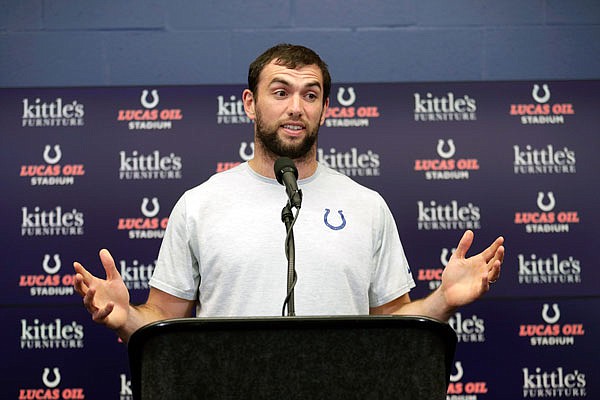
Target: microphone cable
[[292, 277]]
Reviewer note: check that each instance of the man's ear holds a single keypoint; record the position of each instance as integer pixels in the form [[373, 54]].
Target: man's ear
[[324, 112], [249, 102]]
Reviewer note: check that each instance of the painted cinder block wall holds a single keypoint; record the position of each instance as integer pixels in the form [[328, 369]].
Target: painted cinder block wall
[[46, 43]]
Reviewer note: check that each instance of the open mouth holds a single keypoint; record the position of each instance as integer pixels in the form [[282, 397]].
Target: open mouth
[[293, 129]]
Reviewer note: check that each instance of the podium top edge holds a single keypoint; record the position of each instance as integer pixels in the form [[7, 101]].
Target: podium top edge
[[296, 322]]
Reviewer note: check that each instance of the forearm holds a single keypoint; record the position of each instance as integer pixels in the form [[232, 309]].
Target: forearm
[[433, 306], [139, 316], [158, 307]]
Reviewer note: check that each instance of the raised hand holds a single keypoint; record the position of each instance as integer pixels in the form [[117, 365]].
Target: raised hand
[[107, 300], [466, 279]]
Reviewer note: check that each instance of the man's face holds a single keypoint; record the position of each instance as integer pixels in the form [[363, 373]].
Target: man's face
[[288, 110]]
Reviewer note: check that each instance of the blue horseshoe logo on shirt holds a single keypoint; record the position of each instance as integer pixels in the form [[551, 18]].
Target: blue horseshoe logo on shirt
[[335, 228]]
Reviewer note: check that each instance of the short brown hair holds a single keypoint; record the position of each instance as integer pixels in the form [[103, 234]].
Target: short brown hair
[[290, 56]]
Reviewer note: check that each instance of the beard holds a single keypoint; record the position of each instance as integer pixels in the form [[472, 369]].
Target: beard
[[268, 137]]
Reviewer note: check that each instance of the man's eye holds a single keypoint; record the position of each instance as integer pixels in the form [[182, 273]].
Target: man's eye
[[311, 96], [280, 93]]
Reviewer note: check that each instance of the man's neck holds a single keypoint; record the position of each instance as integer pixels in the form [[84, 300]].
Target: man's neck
[[263, 165]]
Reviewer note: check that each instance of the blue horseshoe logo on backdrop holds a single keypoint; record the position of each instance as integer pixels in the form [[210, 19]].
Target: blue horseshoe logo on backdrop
[[335, 228]]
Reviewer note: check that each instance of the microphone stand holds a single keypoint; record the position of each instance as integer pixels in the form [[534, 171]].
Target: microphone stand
[[290, 252]]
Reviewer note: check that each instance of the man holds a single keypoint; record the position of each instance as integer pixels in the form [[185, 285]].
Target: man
[[223, 251]]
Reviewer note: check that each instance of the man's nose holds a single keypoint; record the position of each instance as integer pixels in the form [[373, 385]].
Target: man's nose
[[295, 106]]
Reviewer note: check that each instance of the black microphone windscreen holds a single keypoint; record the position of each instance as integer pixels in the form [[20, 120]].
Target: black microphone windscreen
[[284, 164]]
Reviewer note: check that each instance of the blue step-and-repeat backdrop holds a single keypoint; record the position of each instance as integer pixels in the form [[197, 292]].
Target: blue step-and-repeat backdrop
[[88, 168]]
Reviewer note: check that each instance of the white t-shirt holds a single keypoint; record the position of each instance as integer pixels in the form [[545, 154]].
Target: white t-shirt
[[225, 247]]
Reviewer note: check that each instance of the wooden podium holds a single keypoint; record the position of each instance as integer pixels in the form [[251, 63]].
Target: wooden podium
[[370, 357]]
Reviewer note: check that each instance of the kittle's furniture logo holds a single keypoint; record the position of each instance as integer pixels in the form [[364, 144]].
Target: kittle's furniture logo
[[544, 160], [539, 383], [136, 165], [57, 113], [430, 108], [230, 111], [434, 216]]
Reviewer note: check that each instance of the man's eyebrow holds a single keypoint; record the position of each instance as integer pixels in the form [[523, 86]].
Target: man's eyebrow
[[279, 80], [284, 82], [314, 83]]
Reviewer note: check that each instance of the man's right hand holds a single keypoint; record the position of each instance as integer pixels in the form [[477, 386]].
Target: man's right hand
[[107, 300]]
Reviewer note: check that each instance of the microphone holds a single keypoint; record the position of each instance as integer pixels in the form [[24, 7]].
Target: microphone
[[287, 175]]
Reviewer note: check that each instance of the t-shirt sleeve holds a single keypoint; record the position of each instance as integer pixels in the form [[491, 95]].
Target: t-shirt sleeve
[[176, 270], [391, 276]]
